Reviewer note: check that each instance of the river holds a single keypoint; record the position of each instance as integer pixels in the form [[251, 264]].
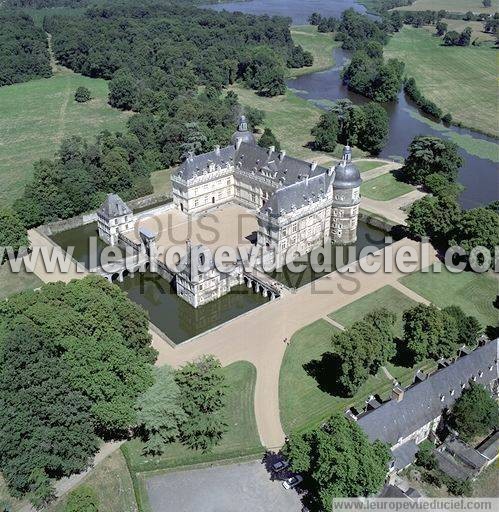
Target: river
[[479, 176]]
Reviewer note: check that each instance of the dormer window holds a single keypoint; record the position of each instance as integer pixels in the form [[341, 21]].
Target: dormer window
[[463, 385], [452, 392], [480, 373], [442, 398], [473, 378]]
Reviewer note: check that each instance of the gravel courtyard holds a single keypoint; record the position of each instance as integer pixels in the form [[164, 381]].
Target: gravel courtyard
[[238, 487]]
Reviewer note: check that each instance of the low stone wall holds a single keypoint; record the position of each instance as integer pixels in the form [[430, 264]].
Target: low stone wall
[[376, 221], [156, 201]]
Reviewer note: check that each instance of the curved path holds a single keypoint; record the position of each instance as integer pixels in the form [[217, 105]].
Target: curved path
[[258, 336]]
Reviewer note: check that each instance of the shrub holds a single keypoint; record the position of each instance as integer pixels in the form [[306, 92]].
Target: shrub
[[82, 95]]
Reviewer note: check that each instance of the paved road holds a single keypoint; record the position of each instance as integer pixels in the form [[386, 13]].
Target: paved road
[[258, 336], [243, 487]]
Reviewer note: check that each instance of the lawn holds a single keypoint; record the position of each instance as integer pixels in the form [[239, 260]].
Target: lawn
[[35, 116], [385, 187], [14, 283], [161, 181], [303, 405], [320, 45], [386, 297], [459, 80], [240, 440], [368, 165], [112, 483], [450, 5], [475, 293]]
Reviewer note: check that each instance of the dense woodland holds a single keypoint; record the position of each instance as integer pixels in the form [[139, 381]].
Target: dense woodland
[[23, 50], [156, 52]]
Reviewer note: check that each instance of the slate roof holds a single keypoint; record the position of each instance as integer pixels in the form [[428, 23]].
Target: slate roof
[[423, 401], [114, 207], [490, 447], [405, 454], [466, 454], [450, 466]]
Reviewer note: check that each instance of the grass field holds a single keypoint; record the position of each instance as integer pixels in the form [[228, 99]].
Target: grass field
[[241, 439], [303, 405], [112, 483], [35, 116], [386, 297], [368, 165], [459, 80], [318, 44], [161, 182], [385, 187], [475, 6], [475, 293], [13, 283], [459, 25]]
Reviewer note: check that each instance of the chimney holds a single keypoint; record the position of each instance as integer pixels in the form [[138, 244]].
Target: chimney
[[282, 155], [239, 140], [271, 150], [217, 150], [313, 165], [397, 394]]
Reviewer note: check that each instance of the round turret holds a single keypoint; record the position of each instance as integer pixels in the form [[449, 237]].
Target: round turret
[[346, 173], [243, 132]]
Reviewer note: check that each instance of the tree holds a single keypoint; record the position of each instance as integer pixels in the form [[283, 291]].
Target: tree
[[82, 95], [271, 82], [339, 460], [269, 139], [360, 358], [441, 187], [441, 28], [425, 456], [314, 18], [82, 499], [434, 217], [477, 227], [159, 411], [429, 332], [13, 234], [475, 412], [468, 327], [326, 132], [46, 429], [465, 37], [451, 38], [373, 133], [429, 155], [123, 90], [255, 116], [203, 398]]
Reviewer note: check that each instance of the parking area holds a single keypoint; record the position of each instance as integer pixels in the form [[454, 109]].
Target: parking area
[[245, 487]]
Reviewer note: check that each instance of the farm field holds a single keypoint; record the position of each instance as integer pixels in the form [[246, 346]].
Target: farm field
[[459, 25], [385, 187], [459, 80], [241, 438], [35, 116], [475, 293], [475, 6], [320, 45]]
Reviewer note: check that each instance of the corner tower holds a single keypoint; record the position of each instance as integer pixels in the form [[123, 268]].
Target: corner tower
[[243, 133], [346, 199]]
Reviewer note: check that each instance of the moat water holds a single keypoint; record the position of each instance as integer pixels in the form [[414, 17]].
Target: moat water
[[180, 321], [479, 175]]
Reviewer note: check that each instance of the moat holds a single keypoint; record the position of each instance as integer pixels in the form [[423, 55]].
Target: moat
[[178, 320]]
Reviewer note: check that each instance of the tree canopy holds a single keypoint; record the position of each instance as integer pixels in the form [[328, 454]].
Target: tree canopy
[[339, 460], [13, 234], [475, 412], [203, 398], [269, 139], [23, 49]]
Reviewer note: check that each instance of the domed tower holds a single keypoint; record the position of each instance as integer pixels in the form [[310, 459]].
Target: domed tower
[[346, 199], [243, 133]]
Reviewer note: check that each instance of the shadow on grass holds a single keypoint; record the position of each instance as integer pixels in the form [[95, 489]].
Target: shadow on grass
[[403, 357], [327, 371]]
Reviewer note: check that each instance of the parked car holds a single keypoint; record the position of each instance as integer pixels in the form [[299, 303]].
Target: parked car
[[280, 465], [292, 482]]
